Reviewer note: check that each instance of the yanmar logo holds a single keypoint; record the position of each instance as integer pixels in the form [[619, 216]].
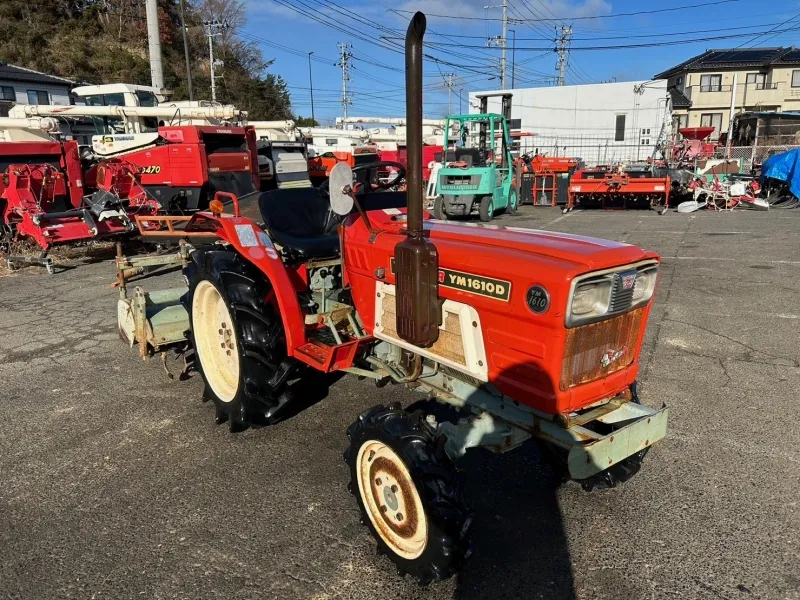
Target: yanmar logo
[[628, 281]]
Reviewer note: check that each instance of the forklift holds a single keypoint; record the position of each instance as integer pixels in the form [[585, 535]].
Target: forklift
[[477, 174]]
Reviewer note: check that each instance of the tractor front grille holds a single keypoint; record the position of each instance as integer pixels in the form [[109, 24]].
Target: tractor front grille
[[598, 349], [621, 298]]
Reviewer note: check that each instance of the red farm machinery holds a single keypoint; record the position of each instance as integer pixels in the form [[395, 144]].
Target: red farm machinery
[[618, 189], [545, 179], [137, 165], [521, 335]]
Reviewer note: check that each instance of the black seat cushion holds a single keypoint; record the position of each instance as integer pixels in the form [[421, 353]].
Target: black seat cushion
[[301, 219]]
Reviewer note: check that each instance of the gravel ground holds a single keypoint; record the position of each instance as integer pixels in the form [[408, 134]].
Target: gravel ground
[[116, 483]]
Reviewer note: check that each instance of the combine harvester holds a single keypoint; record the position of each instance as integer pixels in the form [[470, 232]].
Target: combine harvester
[[147, 159], [521, 334]]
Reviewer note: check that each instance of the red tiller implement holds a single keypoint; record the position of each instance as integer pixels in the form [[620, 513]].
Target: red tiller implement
[[618, 190]]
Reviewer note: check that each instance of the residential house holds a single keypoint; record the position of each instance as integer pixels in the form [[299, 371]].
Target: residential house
[[25, 86], [702, 88]]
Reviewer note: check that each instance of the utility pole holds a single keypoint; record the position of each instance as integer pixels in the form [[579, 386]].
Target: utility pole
[[449, 83], [344, 62], [500, 40], [154, 44], [562, 47], [513, 55], [186, 55], [213, 29], [311, 87], [503, 47]]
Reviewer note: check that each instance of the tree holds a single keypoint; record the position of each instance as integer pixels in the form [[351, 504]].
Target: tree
[[306, 122], [105, 41]]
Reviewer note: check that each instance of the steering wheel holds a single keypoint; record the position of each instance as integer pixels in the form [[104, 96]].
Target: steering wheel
[[369, 167]]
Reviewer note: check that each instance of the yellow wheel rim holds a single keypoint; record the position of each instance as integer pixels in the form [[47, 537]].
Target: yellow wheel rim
[[391, 499], [215, 338]]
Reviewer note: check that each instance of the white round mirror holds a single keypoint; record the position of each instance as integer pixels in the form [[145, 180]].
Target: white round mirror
[[340, 185]]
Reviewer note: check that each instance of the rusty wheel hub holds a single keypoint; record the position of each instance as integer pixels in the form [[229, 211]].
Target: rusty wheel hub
[[392, 501]]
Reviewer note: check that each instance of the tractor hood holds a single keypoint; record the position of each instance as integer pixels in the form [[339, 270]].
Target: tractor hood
[[582, 251]]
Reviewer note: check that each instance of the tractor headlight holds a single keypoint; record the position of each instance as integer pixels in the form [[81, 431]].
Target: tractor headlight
[[645, 285], [591, 299]]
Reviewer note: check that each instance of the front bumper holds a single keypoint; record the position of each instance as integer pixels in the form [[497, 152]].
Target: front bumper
[[635, 428]]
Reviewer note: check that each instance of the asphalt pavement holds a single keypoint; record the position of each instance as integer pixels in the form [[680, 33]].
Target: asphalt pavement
[[116, 483]]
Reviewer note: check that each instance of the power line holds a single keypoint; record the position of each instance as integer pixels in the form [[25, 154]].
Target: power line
[[629, 46], [613, 16]]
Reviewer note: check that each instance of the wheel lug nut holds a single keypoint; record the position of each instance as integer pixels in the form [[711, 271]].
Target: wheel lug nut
[[224, 326], [384, 508], [220, 331], [394, 489], [378, 481], [399, 516], [228, 352], [222, 345]]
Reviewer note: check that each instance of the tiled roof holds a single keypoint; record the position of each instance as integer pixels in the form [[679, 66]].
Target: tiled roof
[[735, 57], [14, 73]]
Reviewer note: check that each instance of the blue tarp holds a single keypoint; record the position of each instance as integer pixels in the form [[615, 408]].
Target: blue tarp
[[784, 167]]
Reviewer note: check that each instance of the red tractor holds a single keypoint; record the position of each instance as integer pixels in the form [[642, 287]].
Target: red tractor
[[523, 334]]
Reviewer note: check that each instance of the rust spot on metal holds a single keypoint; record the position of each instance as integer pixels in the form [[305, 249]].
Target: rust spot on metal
[[648, 420], [586, 346], [408, 526], [611, 440]]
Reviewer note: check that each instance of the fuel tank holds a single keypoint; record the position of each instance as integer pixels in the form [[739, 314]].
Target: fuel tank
[[504, 294]]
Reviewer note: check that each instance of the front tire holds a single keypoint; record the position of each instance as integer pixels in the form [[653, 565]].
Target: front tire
[[409, 493], [487, 209], [238, 339], [439, 211]]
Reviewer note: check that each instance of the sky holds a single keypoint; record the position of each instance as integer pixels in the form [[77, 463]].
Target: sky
[[287, 30]]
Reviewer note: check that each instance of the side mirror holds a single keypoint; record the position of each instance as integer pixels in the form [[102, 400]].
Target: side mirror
[[340, 189]]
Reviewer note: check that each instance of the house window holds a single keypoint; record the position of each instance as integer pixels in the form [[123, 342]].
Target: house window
[[645, 132], [331, 141], [681, 121], [711, 83], [7, 93], [38, 97], [645, 142], [758, 80], [712, 120], [795, 78], [619, 130]]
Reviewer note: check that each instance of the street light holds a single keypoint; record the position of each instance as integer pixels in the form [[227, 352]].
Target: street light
[[311, 88]]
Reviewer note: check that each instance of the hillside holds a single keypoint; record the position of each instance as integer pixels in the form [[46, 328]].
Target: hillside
[[105, 41]]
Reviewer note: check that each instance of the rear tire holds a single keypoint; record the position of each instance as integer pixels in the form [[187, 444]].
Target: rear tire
[[487, 209], [512, 202], [439, 209], [409, 493], [238, 339]]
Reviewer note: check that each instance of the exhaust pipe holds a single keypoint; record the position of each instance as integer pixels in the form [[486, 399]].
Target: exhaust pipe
[[416, 31], [418, 311]]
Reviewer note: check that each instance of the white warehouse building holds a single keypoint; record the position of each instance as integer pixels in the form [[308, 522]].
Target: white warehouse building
[[604, 123]]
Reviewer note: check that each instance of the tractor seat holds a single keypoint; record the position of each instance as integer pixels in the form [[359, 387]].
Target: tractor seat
[[301, 219]]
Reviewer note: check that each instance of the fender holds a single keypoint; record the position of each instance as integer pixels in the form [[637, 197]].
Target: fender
[[254, 245]]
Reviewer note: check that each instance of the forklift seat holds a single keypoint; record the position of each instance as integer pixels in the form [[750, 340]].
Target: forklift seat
[[301, 219]]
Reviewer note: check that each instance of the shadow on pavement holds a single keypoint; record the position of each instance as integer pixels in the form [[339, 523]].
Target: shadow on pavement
[[521, 550]]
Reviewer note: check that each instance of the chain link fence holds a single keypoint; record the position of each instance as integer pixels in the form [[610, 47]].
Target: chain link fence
[[594, 150]]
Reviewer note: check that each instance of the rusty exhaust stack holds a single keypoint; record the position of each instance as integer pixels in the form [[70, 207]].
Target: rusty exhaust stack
[[416, 258]]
